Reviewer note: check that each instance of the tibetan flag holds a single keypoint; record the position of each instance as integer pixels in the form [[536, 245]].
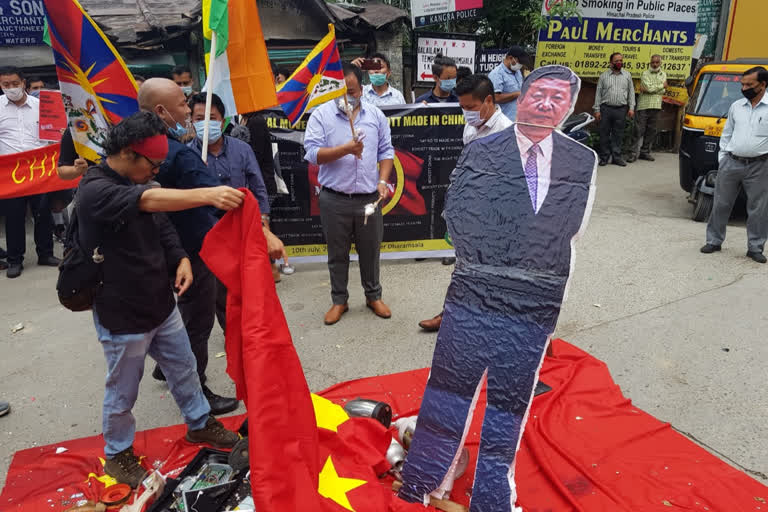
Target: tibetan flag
[[97, 89], [318, 79], [240, 70]]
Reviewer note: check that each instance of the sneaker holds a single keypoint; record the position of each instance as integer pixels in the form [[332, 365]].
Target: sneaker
[[647, 156], [757, 256], [620, 162], [710, 248], [125, 467], [14, 270], [631, 158], [48, 261], [603, 162], [213, 434], [5, 408], [3, 265]]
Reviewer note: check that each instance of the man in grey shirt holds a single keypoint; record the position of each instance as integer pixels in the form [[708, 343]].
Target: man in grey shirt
[[614, 101]]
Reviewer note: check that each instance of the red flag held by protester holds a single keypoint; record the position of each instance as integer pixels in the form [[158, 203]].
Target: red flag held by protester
[[262, 361]]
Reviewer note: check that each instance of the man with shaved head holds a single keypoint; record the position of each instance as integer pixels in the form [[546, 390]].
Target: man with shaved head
[[183, 169]]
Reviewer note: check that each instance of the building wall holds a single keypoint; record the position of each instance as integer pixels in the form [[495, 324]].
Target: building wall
[[390, 43]]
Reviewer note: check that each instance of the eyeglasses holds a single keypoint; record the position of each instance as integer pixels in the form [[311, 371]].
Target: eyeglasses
[[153, 165]]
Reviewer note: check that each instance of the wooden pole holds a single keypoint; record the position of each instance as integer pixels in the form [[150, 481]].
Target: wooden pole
[[445, 505], [209, 95], [349, 115]]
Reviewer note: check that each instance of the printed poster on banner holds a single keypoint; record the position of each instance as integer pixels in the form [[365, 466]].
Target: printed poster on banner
[[53, 117], [427, 141], [460, 50], [431, 12], [488, 59], [22, 22], [636, 28]]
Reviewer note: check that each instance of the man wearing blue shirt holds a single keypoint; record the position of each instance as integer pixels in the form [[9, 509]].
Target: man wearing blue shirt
[[380, 92], [350, 180], [508, 79], [444, 72]]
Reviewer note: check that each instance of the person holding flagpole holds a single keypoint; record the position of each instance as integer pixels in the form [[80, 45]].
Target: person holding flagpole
[[349, 181]]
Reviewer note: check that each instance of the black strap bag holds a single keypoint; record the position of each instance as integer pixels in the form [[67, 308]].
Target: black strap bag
[[80, 272]]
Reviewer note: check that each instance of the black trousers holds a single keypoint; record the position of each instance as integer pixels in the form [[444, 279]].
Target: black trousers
[[15, 226], [612, 130], [343, 222], [198, 310]]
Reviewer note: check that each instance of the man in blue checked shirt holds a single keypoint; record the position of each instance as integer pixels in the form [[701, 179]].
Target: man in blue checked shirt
[[507, 80], [350, 180]]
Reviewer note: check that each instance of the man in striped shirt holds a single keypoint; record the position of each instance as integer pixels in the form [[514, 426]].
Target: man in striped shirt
[[614, 101], [653, 83]]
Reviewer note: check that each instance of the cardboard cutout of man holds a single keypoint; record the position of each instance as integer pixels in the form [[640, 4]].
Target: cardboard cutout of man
[[518, 199]]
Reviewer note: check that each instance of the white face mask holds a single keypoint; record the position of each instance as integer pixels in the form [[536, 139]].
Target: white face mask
[[516, 67], [14, 94]]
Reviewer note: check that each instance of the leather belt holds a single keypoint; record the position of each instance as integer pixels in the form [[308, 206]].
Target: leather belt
[[749, 160], [350, 196]]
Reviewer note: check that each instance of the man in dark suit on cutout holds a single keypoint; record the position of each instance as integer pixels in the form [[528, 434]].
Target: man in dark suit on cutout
[[517, 201]]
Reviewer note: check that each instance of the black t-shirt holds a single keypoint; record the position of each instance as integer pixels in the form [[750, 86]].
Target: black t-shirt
[[140, 250], [67, 153]]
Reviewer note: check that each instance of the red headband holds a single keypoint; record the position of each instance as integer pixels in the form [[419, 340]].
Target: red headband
[[154, 148]]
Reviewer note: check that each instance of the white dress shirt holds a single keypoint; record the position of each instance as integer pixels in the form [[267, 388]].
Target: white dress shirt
[[543, 163], [496, 123], [19, 125], [745, 132]]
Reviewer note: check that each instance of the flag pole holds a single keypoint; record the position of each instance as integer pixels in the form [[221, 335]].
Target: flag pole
[[349, 116], [209, 95]]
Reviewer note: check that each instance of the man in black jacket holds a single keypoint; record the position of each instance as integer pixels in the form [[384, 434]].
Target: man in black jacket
[[135, 311]]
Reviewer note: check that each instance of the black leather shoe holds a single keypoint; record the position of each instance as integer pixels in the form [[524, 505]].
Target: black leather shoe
[[602, 162], [620, 162], [448, 261], [49, 261], [3, 265], [647, 156], [3, 254], [757, 256], [157, 374], [5, 408], [709, 248], [220, 404], [14, 270]]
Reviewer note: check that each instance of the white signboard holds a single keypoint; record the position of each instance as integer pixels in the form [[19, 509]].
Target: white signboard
[[430, 12], [460, 50]]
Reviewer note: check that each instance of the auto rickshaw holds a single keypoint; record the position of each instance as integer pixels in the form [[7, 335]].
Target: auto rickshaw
[[715, 87]]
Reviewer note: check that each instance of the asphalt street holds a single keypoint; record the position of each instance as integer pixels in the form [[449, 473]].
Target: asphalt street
[[683, 334]]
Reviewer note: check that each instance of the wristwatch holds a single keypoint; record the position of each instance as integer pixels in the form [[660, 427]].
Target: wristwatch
[[382, 182]]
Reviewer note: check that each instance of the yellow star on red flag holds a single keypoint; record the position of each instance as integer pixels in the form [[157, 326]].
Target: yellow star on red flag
[[334, 487]]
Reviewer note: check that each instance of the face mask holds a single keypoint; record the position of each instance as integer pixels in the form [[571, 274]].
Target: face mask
[[618, 66], [351, 101], [186, 89], [35, 93], [750, 94], [516, 67], [214, 130], [177, 131], [655, 69], [472, 117], [378, 79], [14, 94], [448, 85]]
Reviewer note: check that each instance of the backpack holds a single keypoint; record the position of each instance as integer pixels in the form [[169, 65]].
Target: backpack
[[80, 273]]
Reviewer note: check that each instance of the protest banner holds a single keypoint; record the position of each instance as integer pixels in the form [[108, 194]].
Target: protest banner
[[31, 172], [635, 28], [488, 59], [427, 141], [53, 117]]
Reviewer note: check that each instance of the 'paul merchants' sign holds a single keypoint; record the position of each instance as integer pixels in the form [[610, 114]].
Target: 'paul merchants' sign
[[635, 28]]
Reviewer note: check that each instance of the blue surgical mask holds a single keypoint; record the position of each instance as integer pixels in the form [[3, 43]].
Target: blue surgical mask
[[186, 89], [214, 130], [35, 93], [448, 85], [177, 131], [472, 117], [378, 78]]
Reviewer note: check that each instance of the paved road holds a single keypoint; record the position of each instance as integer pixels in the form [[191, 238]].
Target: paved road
[[682, 333]]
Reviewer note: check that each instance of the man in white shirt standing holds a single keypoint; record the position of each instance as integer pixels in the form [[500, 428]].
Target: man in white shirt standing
[[380, 92], [743, 162], [19, 120], [483, 117]]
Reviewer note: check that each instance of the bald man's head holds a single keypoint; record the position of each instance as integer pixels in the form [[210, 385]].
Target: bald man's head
[[166, 99]]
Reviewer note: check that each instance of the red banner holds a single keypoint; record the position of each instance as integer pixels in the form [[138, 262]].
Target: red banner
[[53, 117], [31, 172]]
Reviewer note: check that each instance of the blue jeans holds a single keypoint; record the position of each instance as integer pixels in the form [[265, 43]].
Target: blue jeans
[[167, 344]]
